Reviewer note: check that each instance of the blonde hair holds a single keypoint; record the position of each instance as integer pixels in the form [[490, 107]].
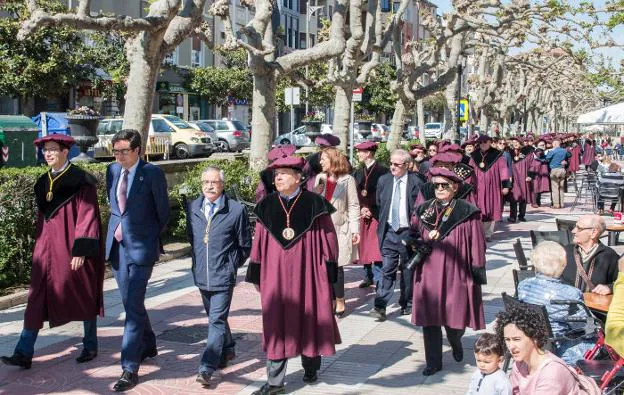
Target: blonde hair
[[549, 258]]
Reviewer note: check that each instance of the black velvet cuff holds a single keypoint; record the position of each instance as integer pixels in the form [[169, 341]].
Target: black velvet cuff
[[86, 247], [507, 184], [479, 275], [253, 273], [532, 174], [332, 271]]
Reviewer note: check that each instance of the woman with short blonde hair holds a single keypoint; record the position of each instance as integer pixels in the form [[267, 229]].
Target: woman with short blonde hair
[[549, 258]]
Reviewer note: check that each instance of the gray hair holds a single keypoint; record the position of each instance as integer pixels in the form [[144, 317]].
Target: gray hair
[[402, 154], [549, 258], [217, 169], [599, 224]]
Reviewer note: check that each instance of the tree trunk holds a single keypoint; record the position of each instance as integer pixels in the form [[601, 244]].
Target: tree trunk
[[450, 113], [144, 56], [420, 109], [396, 130], [484, 123], [262, 117], [342, 115]]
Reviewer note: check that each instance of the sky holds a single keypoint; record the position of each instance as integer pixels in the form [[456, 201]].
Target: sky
[[617, 54]]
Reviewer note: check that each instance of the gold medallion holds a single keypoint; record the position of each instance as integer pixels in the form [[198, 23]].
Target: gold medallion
[[482, 165], [434, 234], [364, 192], [288, 233], [49, 197], [517, 158]]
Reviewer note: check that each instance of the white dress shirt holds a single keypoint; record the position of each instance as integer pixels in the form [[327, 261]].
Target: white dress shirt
[[403, 220]]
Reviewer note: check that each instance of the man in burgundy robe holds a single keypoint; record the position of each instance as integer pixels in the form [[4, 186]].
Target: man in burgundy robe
[[492, 182], [522, 189], [539, 173], [293, 261], [68, 259], [366, 177]]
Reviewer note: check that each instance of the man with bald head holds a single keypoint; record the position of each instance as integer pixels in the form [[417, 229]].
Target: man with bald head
[[591, 266]]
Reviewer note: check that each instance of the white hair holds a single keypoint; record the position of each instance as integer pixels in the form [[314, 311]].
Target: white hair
[[216, 169], [402, 154], [549, 258]]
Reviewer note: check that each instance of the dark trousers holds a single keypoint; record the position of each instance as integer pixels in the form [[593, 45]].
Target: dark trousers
[[220, 341], [433, 343], [369, 271], [538, 198], [394, 254], [513, 208], [28, 337], [132, 281], [338, 286], [276, 368]]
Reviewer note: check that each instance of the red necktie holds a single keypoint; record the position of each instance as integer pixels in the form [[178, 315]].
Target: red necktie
[[122, 198]]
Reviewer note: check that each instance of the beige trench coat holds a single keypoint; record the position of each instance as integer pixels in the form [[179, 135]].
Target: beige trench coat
[[346, 219]]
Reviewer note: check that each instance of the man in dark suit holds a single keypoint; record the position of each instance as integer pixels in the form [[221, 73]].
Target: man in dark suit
[[396, 194], [218, 229], [139, 204]]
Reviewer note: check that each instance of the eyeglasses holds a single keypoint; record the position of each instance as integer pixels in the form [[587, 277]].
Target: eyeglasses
[[579, 229], [432, 150], [396, 164], [443, 185], [122, 152], [208, 182], [50, 150]]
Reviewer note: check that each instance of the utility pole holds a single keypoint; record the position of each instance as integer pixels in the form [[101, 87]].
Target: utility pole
[[460, 69], [309, 13]]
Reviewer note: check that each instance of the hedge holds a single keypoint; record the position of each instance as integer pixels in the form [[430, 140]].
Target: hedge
[[18, 212]]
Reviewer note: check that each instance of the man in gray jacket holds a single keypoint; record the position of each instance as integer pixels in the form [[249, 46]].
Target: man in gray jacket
[[218, 229]]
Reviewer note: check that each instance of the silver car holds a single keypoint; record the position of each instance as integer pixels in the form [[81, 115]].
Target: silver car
[[204, 127], [297, 138], [232, 134]]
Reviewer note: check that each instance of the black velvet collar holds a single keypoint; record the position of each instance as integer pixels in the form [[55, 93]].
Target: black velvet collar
[[489, 158], [65, 187], [527, 150], [462, 211], [309, 207]]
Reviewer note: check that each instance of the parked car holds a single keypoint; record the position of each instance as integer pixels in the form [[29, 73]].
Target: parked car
[[204, 127], [380, 132], [413, 133], [433, 130], [297, 138], [167, 135], [233, 135]]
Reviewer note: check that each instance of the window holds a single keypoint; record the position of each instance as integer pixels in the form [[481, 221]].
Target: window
[[222, 125], [115, 126], [172, 58], [296, 34], [177, 122], [385, 5], [196, 52], [160, 126]]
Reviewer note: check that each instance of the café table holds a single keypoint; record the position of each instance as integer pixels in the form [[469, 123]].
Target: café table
[[597, 302], [614, 230]]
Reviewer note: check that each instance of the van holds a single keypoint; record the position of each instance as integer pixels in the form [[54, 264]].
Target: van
[[433, 130], [168, 135]]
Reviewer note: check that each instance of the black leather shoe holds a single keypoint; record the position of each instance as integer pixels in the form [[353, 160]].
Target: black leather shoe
[[522, 219], [511, 220], [270, 390], [458, 354], [379, 314], [430, 371], [128, 380], [366, 283], [406, 311], [203, 378], [225, 358], [151, 353], [17, 359], [86, 356], [310, 377]]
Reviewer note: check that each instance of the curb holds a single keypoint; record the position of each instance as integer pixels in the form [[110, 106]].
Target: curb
[[20, 297]]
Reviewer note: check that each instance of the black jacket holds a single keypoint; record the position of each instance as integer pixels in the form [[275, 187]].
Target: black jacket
[[605, 267]]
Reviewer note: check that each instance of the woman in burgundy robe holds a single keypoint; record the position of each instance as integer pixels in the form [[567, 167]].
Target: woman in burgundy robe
[[540, 174], [522, 190], [447, 285], [575, 158], [589, 152]]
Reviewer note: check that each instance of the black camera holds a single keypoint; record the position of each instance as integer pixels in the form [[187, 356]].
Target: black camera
[[419, 252]]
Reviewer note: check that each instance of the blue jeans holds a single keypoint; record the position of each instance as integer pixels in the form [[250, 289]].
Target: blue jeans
[[28, 337], [220, 341], [132, 279], [393, 253]]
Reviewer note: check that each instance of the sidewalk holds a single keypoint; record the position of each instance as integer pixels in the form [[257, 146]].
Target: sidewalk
[[375, 358]]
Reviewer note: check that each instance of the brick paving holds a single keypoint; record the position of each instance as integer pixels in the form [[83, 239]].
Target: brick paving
[[375, 358]]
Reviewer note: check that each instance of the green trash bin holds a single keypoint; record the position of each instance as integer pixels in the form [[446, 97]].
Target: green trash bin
[[18, 133]]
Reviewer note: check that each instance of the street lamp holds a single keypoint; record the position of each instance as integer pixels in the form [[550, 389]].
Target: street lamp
[[310, 10], [461, 63]]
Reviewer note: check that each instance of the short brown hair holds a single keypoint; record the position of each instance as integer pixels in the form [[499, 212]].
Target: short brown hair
[[488, 344], [338, 164]]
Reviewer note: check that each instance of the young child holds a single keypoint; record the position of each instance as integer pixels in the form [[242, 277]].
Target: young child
[[489, 378]]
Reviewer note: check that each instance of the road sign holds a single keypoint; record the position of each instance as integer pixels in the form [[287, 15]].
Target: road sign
[[291, 96], [463, 110], [357, 94]]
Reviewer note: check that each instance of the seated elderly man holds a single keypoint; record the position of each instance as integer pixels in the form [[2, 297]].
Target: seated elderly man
[[549, 261], [591, 266]]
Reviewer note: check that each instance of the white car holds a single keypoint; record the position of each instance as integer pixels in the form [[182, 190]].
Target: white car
[[433, 130]]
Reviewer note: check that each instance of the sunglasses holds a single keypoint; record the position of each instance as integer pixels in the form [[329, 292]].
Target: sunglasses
[[441, 185]]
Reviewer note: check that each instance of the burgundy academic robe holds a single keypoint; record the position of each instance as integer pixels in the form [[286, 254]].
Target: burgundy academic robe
[[522, 189], [296, 296], [66, 227], [540, 173], [589, 152], [575, 159], [368, 248], [490, 182], [444, 290]]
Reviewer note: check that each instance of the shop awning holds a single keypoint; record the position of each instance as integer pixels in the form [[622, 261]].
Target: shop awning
[[612, 115]]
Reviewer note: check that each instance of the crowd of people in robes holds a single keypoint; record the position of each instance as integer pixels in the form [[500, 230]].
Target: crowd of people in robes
[[427, 217]]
